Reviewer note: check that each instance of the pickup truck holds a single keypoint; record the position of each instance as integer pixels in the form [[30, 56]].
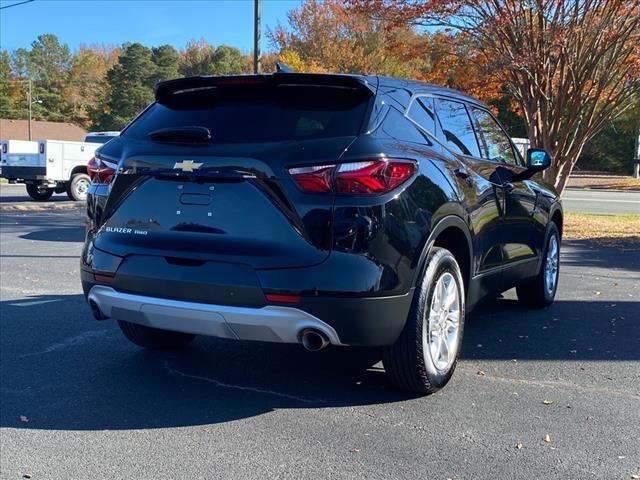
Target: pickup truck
[[51, 166]]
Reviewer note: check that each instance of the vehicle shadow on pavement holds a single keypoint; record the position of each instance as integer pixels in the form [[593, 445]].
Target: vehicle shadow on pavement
[[566, 330], [62, 370], [65, 234], [603, 252]]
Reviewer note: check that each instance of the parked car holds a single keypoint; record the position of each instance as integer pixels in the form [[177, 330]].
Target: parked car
[[323, 210], [56, 166]]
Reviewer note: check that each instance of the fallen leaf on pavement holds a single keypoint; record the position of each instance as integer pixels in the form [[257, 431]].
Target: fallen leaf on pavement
[[547, 438], [547, 402]]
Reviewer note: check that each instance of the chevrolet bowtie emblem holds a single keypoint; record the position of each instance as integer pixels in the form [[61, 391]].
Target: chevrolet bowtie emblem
[[187, 166]]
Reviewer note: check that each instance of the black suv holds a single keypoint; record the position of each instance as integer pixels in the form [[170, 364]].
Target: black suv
[[316, 209]]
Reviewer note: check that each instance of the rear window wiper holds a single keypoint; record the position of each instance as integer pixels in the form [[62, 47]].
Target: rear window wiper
[[189, 134]]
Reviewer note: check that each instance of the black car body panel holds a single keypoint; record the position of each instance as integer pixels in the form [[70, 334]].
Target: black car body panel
[[238, 227]]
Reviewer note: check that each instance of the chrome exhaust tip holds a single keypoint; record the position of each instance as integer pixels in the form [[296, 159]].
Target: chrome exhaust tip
[[95, 310], [313, 340]]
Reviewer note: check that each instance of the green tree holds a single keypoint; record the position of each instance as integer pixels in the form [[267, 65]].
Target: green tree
[[226, 60], [167, 60], [201, 58], [48, 65], [130, 87], [613, 149]]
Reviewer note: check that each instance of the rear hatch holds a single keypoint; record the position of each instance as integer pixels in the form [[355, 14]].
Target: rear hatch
[[204, 171]]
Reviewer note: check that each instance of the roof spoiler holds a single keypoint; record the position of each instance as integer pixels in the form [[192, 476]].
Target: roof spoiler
[[171, 89]]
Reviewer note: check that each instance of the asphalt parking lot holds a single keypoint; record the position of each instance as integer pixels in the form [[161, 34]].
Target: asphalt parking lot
[[79, 401]]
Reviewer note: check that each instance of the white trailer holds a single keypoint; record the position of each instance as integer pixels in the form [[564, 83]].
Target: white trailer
[[56, 166]]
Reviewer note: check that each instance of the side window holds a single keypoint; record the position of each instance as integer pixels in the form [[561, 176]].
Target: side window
[[421, 111], [457, 128], [494, 142]]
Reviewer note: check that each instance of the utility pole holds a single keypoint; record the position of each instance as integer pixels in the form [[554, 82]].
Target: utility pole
[[256, 36], [29, 101]]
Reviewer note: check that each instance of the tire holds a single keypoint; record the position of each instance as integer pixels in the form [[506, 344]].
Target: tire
[[410, 363], [154, 338], [78, 186], [38, 195], [537, 292]]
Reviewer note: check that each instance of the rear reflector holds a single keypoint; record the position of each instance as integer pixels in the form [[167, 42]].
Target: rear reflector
[[282, 298], [360, 178], [107, 279]]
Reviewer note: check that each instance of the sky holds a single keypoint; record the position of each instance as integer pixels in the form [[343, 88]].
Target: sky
[[151, 22]]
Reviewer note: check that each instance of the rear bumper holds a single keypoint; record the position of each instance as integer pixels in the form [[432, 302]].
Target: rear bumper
[[268, 324], [357, 321], [23, 173], [344, 292]]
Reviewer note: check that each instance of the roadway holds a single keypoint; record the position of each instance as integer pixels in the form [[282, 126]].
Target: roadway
[[587, 201], [601, 201]]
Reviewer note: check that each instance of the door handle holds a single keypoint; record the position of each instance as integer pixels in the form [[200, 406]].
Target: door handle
[[508, 186], [461, 172]]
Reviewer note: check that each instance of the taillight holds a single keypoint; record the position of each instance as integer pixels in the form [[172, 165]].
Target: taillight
[[100, 171], [367, 177]]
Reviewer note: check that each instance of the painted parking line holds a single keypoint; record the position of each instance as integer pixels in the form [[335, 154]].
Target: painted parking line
[[35, 302]]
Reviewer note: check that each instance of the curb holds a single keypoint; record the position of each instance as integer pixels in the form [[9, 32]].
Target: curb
[[39, 207], [583, 189]]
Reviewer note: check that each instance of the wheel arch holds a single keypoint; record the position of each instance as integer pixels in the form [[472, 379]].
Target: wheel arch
[[78, 169], [451, 233], [556, 215]]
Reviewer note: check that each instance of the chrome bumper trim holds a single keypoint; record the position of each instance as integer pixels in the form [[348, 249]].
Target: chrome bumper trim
[[267, 324]]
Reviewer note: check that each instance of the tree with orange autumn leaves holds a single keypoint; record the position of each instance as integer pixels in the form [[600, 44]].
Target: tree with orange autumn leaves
[[325, 36], [572, 66]]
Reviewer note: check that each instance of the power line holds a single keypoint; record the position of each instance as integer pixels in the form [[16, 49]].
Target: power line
[[16, 4]]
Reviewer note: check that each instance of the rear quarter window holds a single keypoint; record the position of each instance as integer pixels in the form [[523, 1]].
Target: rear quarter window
[[458, 131], [257, 114]]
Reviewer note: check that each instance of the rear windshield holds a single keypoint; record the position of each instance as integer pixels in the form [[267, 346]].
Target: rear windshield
[[265, 113]]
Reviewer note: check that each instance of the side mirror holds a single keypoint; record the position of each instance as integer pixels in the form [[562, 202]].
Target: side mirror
[[538, 159]]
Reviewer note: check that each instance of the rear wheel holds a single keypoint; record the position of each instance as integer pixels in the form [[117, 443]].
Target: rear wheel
[[78, 187], [155, 338], [39, 195], [424, 357], [540, 291]]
